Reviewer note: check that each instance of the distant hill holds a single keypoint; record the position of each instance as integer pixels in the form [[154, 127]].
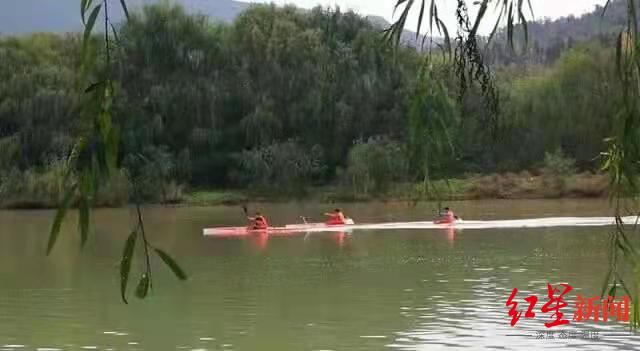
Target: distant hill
[[60, 16], [549, 38]]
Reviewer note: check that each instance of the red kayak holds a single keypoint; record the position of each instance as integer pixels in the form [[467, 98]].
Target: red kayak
[[242, 231], [288, 229], [447, 222]]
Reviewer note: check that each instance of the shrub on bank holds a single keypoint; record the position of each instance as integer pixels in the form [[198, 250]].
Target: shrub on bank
[[373, 165], [32, 188], [287, 167], [43, 188]]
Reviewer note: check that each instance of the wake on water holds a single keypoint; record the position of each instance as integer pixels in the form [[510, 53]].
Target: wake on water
[[517, 223]]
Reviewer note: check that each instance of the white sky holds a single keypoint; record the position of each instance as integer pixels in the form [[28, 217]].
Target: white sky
[[542, 8]]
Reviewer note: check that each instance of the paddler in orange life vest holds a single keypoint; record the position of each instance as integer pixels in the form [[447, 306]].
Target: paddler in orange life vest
[[258, 222], [446, 216], [335, 218]]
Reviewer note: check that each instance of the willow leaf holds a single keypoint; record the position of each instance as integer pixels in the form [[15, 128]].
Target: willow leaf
[[115, 33], [60, 214], [91, 22], [94, 86], [447, 39], [172, 264], [510, 26], [143, 287], [125, 263], [83, 220], [84, 5], [400, 2], [495, 27], [523, 21], [479, 17], [123, 3], [420, 19]]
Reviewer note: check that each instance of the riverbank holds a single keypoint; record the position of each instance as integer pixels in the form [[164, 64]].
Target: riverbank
[[496, 186], [522, 185]]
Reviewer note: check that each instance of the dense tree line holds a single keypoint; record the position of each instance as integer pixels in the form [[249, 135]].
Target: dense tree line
[[289, 99]]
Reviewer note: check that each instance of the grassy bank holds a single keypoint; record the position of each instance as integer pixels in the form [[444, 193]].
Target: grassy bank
[[37, 192], [496, 186]]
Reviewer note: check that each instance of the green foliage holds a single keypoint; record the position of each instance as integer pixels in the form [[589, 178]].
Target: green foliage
[[276, 74], [558, 164], [157, 173], [433, 120], [567, 106], [280, 166], [373, 165], [207, 95]]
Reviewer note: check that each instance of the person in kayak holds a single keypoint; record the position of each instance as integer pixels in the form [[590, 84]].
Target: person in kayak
[[446, 216], [258, 222], [335, 218]]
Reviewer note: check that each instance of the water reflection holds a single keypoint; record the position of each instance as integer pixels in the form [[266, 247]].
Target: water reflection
[[260, 241]]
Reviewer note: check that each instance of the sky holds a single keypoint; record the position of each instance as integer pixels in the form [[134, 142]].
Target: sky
[[542, 8]]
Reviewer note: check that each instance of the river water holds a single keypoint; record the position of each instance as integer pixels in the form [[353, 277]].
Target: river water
[[366, 290]]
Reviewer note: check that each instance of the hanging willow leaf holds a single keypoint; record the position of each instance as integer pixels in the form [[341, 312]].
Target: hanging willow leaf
[[125, 264], [479, 17], [420, 19], [143, 287], [84, 5], [172, 264], [60, 214], [83, 219], [91, 22], [124, 8], [94, 86], [447, 39], [400, 2], [510, 27], [523, 21], [111, 149], [495, 27], [115, 33]]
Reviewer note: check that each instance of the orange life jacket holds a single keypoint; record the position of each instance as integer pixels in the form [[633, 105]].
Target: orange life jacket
[[336, 218], [448, 217], [260, 222]]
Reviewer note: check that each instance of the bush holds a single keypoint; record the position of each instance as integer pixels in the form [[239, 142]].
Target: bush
[[159, 174], [43, 188], [373, 165], [557, 164], [33, 188], [285, 165]]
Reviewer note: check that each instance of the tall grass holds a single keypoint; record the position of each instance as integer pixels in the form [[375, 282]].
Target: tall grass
[[44, 188]]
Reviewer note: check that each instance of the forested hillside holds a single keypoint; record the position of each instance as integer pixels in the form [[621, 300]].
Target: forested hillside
[[282, 99], [548, 39]]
